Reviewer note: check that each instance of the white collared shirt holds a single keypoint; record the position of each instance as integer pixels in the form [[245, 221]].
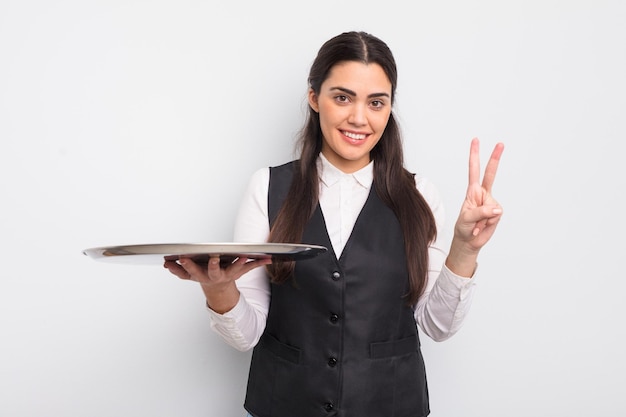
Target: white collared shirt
[[440, 310], [341, 198]]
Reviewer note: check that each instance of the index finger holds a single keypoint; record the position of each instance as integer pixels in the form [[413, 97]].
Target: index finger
[[492, 167], [474, 162]]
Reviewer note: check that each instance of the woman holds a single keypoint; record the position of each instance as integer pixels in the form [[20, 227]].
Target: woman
[[337, 334]]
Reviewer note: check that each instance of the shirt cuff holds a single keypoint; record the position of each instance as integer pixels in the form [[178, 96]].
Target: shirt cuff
[[232, 316], [454, 284]]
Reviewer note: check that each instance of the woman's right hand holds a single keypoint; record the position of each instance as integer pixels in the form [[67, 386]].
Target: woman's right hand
[[217, 281]]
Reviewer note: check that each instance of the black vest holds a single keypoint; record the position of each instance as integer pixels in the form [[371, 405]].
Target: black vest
[[340, 339]]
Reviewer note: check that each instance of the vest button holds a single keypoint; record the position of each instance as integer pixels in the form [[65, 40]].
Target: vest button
[[336, 275], [334, 318], [329, 407], [332, 362]]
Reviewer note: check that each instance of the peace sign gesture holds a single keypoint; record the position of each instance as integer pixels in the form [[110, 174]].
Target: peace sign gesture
[[480, 213]]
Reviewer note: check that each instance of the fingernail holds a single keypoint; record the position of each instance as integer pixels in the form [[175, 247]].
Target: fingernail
[[497, 211]]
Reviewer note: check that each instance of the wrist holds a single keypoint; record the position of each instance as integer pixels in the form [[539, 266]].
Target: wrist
[[462, 260], [221, 298]]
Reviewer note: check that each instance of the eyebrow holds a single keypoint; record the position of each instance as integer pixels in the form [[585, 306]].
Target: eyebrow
[[352, 93]]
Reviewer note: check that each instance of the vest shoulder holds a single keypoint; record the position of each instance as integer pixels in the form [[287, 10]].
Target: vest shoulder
[[284, 169], [285, 165]]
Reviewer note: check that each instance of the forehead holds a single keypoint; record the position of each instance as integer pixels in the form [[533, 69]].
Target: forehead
[[359, 77]]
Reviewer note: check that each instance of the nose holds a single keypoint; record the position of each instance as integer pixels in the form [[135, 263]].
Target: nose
[[358, 116]]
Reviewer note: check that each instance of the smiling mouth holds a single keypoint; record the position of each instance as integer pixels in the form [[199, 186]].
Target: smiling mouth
[[354, 136]]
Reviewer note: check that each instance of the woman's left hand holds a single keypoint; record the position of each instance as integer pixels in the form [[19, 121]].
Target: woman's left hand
[[480, 212]]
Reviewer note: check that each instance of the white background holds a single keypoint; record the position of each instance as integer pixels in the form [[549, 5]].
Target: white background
[[141, 121]]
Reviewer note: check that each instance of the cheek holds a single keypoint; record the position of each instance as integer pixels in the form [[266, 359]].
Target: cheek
[[329, 119], [381, 123], [331, 113]]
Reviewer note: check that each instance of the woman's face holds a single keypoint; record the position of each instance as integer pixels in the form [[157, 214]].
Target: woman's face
[[354, 105]]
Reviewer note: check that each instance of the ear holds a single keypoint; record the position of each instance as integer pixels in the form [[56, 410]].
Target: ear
[[313, 101]]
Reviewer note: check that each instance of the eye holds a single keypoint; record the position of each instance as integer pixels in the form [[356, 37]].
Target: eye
[[342, 98], [377, 104]]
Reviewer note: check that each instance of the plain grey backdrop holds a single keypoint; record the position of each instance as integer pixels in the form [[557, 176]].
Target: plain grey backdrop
[[126, 122]]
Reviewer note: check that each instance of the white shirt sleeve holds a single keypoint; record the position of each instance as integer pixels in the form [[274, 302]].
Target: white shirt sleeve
[[443, 306]]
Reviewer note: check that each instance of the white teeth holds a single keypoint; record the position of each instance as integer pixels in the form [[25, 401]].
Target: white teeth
[[354, 136]]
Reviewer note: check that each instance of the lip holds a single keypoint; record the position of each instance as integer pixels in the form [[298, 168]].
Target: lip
[[352, 140]]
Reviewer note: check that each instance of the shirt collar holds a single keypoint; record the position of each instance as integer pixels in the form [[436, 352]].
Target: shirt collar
[[330, 175]]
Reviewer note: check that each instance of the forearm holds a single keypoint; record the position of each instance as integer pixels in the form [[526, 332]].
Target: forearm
[[441, 311], [238, 314], [461, 260], [221, 299], [242, 326]]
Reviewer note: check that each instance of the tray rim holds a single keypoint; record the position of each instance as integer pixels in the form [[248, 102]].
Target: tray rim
[[174, 250]]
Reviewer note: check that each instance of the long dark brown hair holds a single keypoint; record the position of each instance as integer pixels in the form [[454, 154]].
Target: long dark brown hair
[[393, 183]]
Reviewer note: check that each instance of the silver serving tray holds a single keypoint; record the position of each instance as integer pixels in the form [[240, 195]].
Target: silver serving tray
[[201, 252]]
